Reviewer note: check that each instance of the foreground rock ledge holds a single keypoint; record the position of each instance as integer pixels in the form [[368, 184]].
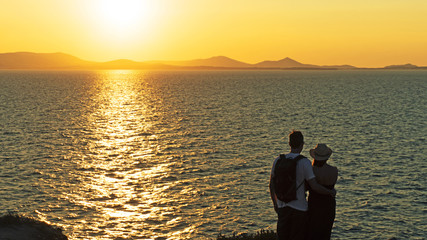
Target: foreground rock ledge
[[15, 227]]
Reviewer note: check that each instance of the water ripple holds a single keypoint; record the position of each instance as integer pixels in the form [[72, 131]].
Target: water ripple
[[187, 155]]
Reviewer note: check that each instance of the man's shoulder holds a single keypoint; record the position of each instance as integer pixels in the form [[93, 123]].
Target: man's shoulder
[[302, 158], [305, 162], [306, 168]]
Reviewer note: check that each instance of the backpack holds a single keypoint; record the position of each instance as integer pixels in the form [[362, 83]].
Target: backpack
[[285, 186]]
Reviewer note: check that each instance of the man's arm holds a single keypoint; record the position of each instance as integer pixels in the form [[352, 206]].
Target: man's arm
[[272, 193], [321, 189]]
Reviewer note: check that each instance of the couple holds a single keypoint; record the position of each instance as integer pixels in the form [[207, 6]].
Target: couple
[[299, 219]]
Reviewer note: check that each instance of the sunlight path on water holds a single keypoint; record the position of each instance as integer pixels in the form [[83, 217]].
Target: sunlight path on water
[[119, 164]]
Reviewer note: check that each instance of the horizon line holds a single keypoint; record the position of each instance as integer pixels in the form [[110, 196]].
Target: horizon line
[[232, 63]]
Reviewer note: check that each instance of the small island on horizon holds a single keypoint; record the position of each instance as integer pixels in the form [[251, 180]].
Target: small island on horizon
[[63, 61]]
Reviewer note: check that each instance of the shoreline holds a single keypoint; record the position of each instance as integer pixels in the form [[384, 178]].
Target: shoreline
[[19, 227]]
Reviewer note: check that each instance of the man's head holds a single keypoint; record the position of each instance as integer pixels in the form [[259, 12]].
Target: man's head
[[296, 140]]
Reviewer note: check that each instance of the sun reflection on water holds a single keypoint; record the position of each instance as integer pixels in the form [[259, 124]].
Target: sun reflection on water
[[120, 164]]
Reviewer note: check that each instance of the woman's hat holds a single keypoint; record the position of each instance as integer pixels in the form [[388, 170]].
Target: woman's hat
[[321, 152]]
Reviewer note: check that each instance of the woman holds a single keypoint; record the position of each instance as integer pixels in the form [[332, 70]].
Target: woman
[[321, 208]]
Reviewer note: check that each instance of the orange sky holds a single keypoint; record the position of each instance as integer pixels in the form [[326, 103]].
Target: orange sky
[[363, 33]]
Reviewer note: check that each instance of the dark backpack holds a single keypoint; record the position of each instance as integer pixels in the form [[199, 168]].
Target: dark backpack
[[285, 186]]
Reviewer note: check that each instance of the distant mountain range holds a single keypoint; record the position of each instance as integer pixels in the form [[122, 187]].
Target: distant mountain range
[[29, 60]]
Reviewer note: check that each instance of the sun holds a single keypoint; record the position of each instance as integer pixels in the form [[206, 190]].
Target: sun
[[122, 13], [122, 18]]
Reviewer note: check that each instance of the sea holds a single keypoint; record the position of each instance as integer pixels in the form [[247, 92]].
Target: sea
[[126, 154]]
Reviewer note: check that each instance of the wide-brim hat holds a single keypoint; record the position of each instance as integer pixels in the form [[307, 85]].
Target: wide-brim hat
[[321, 152]]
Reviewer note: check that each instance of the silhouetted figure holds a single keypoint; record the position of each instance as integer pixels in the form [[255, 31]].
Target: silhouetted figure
[[293, 216], [321, 208]]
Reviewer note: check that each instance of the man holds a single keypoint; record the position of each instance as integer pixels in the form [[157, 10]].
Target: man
[[292, 216]]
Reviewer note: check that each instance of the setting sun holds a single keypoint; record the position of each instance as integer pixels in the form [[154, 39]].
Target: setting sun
[[122, 22], [122, 16]]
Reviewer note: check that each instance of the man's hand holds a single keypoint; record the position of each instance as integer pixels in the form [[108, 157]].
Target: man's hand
[[334, 192], [273, 194], [321, 189]]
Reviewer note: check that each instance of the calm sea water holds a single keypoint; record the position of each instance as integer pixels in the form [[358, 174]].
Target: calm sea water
[[187, 154]]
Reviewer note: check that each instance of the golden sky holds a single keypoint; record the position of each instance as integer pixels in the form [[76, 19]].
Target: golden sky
[[363, 33]]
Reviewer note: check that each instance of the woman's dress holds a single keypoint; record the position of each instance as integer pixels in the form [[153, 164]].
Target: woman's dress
[[321, 211]]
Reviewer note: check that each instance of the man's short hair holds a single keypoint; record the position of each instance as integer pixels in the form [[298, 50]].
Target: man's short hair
[[296, 139]]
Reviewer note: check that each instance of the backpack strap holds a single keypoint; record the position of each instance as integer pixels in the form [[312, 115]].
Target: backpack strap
[[297, 158], [300, 185]]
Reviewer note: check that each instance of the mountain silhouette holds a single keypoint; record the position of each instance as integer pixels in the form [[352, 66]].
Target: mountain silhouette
[[404, 66], [29, 60], [284, 63], [218, 61]]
